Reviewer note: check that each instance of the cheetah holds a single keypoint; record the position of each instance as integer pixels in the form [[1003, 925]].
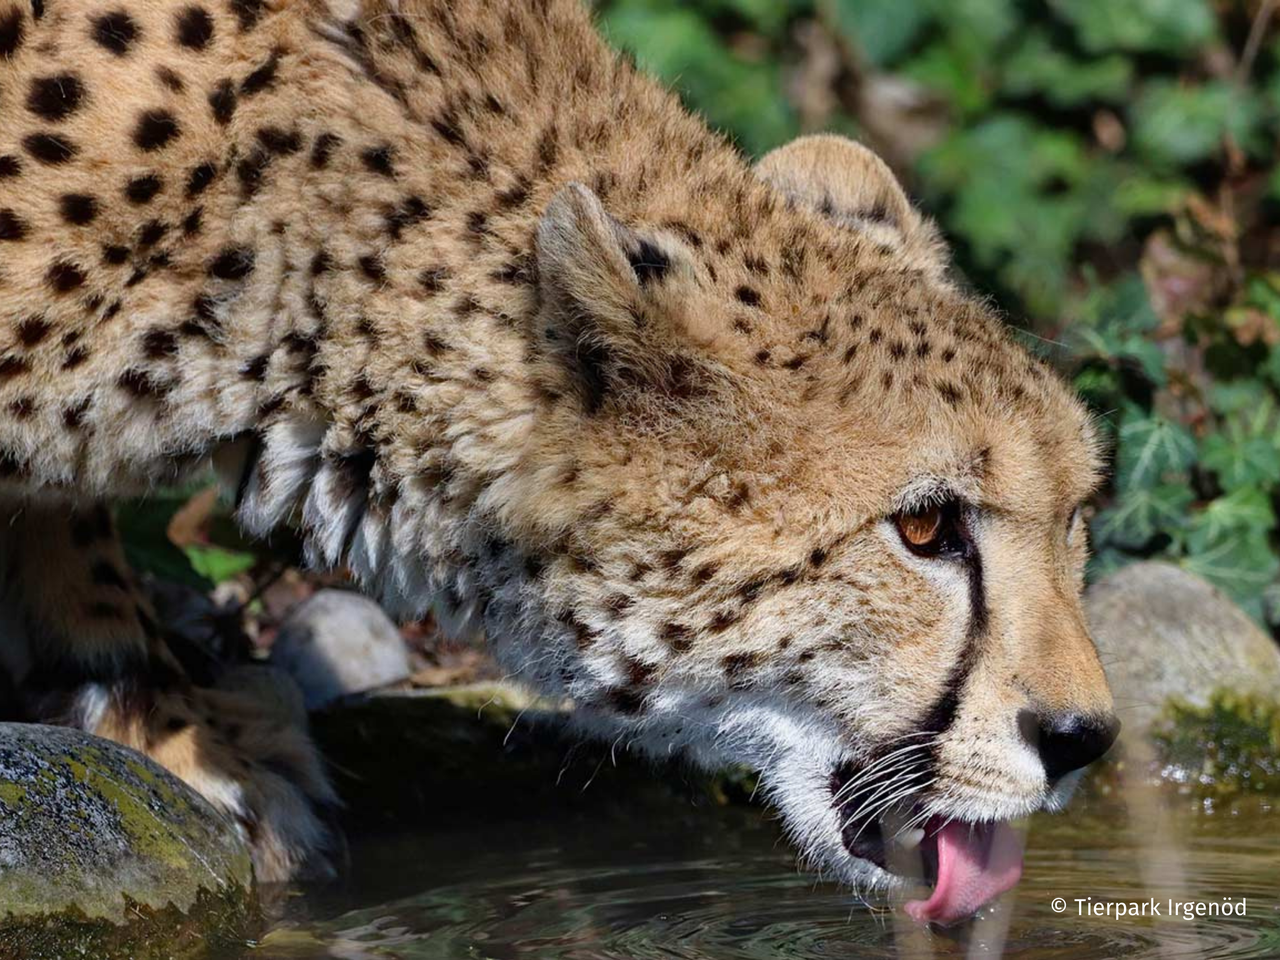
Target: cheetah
[[718, 451]]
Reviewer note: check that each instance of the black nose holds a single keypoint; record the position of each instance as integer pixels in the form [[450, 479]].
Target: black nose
[[1067, 741]]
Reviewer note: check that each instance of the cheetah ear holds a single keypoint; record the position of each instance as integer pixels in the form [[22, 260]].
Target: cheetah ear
[[850, 185], [606, 291]]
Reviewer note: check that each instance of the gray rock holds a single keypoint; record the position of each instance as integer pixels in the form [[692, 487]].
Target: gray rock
[[1163, 632], [337, 643], [103, 853]]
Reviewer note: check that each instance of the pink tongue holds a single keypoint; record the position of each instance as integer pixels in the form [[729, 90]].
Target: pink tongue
[[974, 867]]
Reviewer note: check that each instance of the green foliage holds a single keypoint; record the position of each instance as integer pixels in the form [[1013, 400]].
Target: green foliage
[[1110, 171]]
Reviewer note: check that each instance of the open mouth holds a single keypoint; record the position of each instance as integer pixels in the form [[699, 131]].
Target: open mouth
[[967, 864]]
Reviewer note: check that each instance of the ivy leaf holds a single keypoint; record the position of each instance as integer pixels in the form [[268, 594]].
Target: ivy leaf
[[1247, 512], [1178, 124], [1246, 453], [1164, 26], [1141, 513], [882, 29], [1242, 565], [1037, 67], [1151, 448]]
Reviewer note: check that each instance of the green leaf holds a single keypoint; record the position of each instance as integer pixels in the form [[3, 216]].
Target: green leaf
[[1247, 511], [1246, 453], [1179, 124], [1151, 450], [882, 29], [1164, 26], [217, 564], [1242, 565], [1142, 512], [1037, 67]]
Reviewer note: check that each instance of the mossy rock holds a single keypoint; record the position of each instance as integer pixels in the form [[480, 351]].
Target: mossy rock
[[1226, 749], [104, 854]]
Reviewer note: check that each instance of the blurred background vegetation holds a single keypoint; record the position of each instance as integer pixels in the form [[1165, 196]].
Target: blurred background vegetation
[[1106, 170]]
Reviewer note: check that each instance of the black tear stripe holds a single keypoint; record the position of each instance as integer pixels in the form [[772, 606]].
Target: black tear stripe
[[942, 714]]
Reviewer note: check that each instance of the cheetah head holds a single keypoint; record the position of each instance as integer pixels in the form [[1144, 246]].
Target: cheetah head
[[798, 502]]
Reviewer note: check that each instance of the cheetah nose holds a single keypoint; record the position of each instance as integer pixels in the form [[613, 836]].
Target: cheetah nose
[[1067, 741]]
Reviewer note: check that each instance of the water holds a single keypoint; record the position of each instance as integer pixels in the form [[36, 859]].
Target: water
[[718, 883]]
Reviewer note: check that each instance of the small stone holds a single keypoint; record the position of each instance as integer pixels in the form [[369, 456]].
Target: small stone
[[337, 643]]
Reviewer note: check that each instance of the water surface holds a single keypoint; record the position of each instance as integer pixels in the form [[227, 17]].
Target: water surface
[[720, 883]]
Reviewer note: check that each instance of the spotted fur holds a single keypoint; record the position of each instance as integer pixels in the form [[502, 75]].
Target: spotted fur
[[508, 332]]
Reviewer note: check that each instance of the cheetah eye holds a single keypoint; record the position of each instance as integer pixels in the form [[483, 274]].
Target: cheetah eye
[[933, 529]]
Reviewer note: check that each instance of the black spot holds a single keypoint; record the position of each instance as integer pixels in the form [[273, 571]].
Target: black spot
[[12, 226], [158, 344], [170, 79], [649, 263], [74, 358], [116, 31], [49, 148], [409, 211], [13, 366], [115, 254], [143, 189], [233, 263], [78, 208], [949, 392], [65, 276], [478, 222], [248, 12], [222, 100], [262, 77], [373, 267], [155, 130], [191, 223], [143, 384], [850, 353], [321, 263], [12, 30], [433, 279], [378, 160], [55, 98], [37, 9], [795, 363], [151, 233], [322, 149], [818, 557], [256, 369], [249, 171], [32, 330], [514, 196], [194, 27], [736, 665], [280, 141], [73, 415], [10, 166], [948, 355], [200, 178], [748, 296], [447, 126]]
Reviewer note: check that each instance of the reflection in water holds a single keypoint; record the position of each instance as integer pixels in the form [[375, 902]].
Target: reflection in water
[[713, 884]]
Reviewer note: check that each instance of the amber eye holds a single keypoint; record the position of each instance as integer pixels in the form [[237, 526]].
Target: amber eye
[[933, 530], [920, 528]]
